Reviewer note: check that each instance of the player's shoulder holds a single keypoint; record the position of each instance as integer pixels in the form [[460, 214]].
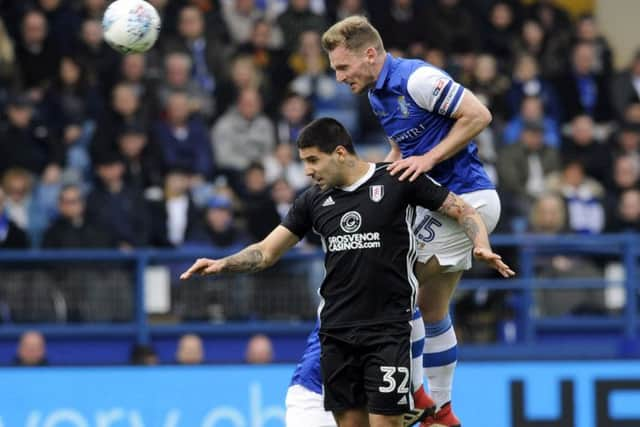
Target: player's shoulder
[[314, 195], [414, 72], [311, 192], [407, 67], [382, 176]]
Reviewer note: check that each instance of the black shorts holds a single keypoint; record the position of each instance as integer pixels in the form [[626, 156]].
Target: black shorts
[[371, 371]]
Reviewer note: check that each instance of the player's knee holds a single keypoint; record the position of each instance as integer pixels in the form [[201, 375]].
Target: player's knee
[[434, 315]]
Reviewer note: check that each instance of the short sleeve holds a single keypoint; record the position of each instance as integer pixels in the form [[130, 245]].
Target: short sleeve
[[298, 219], [427, 193], [435, 91]]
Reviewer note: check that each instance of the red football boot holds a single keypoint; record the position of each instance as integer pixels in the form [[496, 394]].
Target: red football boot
[[442, 418], [424, 407]]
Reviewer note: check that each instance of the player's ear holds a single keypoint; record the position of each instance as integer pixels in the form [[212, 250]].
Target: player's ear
[[341, 152], [371, 54]]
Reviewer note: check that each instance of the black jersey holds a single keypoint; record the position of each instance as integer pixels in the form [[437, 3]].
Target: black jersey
[[369, 245]]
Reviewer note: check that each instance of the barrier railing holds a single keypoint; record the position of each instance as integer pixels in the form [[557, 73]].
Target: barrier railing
[[591, 336]]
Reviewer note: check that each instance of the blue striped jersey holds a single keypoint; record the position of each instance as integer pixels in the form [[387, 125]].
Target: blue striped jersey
[[414, 102]]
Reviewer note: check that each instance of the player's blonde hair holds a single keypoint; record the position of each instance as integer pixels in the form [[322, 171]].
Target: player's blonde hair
[[354, 33]]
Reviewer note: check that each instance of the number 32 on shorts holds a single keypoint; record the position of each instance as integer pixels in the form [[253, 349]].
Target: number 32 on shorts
[[390, 382]]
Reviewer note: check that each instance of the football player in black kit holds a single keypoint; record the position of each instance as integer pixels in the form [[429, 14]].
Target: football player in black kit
[[364, 217]]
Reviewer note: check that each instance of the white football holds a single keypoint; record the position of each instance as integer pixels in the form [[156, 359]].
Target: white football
[[131, 25]]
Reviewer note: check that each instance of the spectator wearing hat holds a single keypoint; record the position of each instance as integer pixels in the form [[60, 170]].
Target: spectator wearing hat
[[219, 228], [523, 167], [116, 206]]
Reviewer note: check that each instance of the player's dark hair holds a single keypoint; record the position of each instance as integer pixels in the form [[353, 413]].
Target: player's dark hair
[[326, 134]]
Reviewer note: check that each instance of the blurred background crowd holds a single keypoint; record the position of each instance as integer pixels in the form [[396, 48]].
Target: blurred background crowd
[[193, 143]]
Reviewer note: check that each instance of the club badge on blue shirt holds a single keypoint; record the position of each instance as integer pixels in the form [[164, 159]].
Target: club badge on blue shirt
[[402, 104]]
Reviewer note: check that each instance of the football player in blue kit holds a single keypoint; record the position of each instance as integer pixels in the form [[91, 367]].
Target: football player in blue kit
[[430, 121]]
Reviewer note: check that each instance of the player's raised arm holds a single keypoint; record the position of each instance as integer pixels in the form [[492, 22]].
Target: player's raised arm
[[471, 118], [473, 226], [255, 257]]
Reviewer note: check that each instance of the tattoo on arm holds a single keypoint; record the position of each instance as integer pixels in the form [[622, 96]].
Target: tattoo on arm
[[467, 217], [248, 260], [470, 226], [453, 206]]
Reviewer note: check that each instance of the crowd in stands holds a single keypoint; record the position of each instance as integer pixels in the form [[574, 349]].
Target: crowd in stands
[[193, 143]]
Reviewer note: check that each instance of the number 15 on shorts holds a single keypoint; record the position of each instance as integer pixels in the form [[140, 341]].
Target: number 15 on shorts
[[390, 377]]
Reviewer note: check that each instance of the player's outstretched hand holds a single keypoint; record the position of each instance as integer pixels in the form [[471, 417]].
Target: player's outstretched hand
[[494, 260], [413, 167], [203, 267]]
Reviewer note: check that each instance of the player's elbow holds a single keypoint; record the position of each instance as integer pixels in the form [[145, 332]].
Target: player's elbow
[[483, 117], [268, 260]]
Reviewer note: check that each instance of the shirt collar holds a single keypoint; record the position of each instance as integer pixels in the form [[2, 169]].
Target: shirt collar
[[362, 180], [384, 73]]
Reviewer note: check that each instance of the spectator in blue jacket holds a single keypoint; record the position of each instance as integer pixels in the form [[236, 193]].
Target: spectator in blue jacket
[[183, 138]]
